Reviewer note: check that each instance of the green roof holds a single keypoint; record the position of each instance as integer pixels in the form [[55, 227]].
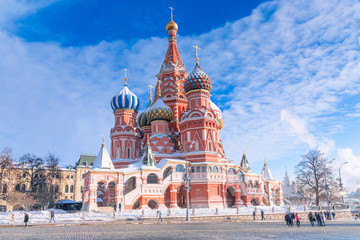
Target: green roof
[[86, 161]]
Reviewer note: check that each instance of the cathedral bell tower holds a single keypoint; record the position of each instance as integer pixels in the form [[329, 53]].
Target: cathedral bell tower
[[172, 77], [125, 135]]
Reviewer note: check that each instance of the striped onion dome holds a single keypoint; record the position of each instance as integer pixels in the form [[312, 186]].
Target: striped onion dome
[[125, 100], [198, 79], [142, 120], [159, 111]]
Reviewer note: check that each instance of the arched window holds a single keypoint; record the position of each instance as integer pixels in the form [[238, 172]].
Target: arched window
[[23, 187], [256, 184], [66, 188], [179, 168], [220, 169], [241, 176], [231, 171], [128, 153], [57, 188], [216, 170], [250, 184], [152, 179], [198, 169], [209, 146], [51, 188], [17, 187], [72, 188], [167, 172], [192, 169], [209, 169], [5, 188]]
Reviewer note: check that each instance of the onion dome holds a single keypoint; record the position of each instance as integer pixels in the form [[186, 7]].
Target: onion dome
[[159, 111], [198, 79], [142, 120], [171, 24], [125, 100]]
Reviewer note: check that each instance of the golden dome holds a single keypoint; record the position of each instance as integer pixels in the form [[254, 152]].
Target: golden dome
[[171, 25]]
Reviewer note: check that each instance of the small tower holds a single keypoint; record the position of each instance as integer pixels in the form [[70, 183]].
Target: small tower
[[266, 173], [125, 135], [245, 163]]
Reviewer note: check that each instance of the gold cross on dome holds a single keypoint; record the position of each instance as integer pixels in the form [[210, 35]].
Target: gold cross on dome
[[150, 90], [125, 70], [171, 9], [197, 53]]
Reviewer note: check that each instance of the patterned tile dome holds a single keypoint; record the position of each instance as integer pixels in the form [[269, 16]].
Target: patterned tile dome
[[159, 111], [125, 100], [198, 79], [142, 120]]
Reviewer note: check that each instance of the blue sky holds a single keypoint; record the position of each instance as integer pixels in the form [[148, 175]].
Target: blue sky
[[285, 73]]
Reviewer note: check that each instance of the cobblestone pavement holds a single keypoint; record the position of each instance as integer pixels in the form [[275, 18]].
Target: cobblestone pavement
[[226, 230]]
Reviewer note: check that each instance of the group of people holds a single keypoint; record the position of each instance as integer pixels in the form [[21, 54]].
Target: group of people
[[27, 218], [262, 215], [115, 207], [292, 218], [318, 217]]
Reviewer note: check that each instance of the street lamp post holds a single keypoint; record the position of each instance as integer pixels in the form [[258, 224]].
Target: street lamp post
[[328, 196], [187, 180], [340, 182]]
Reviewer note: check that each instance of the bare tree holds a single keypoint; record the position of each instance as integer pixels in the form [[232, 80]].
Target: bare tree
[[21, 199], [313, 173], [33, 168], [6, 166]]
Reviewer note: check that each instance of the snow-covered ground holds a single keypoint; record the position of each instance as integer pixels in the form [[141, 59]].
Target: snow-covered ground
[[42, 217]]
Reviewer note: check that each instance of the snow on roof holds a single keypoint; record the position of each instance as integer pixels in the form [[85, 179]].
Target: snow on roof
[[103, 160]]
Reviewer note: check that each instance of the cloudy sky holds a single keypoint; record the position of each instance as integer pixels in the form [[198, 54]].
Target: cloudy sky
[[286, 74]]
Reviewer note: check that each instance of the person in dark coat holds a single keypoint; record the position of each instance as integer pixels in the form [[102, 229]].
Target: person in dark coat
[[26, 219], [311, 218], [288, 220], [318, 218], [254, 215], [333, 214], [119, 207], [115, 207], [262, 215], [292, 218]]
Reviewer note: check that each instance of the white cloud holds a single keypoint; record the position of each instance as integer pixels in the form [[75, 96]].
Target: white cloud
[[350, 171]]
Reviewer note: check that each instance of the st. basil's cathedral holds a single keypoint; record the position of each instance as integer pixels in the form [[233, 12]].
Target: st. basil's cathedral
[[179, 129]]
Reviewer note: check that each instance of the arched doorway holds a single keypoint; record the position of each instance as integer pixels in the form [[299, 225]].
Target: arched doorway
[[136, 205], [111, 193], [167, 197], [255, 202], [181, 196], [230, 196], [153, 204], [100, 194]]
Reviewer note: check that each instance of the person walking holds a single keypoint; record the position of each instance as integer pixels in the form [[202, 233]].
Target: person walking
[[288, 220], [158, 216], [311, 218], [292, 218], [297, 219], [262, 215], [318, 219], [115, 207], [26, 219], [322, 217], [52, 216], [254, 215], [119, 207], [333, 214]]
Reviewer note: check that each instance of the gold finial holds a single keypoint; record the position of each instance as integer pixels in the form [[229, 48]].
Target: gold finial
[[125, 70], [197, 54], [171, 9], [244, 151], [264, 160], [148, 140], [103, 142], [150, 89]]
